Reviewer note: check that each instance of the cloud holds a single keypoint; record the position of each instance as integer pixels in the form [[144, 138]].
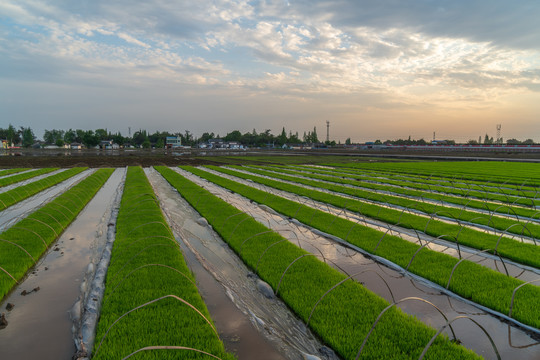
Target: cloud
[[357, 55], [502, 23]]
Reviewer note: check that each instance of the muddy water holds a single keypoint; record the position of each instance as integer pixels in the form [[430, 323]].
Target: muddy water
[[39, 326], [251, 325], [511, 342], [522, 272], [15, 212]]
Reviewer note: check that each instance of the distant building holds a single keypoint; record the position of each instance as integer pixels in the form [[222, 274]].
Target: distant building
[[5, 144], [172, 142], [215, 143], [234, 145], [106, 144], [76, 146]]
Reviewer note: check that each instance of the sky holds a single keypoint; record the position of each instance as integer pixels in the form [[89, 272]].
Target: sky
[[375, 69]]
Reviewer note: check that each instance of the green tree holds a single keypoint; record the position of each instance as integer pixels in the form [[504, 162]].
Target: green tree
[[139, 137], [146, 144], [70, 136], [27, 136], [89, 139], [102, 134], [51, 136], [160, 144], [205, 137], [234, 135], [59, 142], [12, 135], [348, 141], [314, 138], [118, 139], [282, 139]]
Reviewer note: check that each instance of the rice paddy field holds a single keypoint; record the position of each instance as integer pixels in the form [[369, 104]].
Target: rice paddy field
[[271, 257]]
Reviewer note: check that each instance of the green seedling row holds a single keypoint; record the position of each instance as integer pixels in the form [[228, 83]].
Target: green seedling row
[[524, 189], [469, 280], [6, 172], [524, 253], [27, 175], [492, 171], [147, 264], [344, 317], [462, 193], [24, 243], [20, 193], [456, 213]]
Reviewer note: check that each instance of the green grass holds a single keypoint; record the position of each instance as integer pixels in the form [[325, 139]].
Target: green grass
[[345, 316], [147, 264], [470, 280], [24, 243], [11, 197]]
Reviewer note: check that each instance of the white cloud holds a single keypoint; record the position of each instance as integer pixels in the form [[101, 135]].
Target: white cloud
[[301, 50]]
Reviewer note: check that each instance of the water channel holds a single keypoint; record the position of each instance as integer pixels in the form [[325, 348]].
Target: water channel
[[39, 325]]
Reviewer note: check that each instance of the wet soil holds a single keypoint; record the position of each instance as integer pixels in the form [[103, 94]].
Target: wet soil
[[37, 158], [40, 326]]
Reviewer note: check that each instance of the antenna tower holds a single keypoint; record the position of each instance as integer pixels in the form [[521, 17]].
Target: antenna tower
[[327, 131], [499, 140]]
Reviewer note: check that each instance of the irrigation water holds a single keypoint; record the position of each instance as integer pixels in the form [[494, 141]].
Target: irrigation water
[[251, 324], [511, 342], [39, 324]]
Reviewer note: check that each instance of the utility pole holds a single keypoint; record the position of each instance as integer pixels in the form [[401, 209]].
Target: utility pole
[[327, 131]]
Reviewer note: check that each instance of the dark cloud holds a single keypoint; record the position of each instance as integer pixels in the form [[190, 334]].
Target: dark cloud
[[501, 22]]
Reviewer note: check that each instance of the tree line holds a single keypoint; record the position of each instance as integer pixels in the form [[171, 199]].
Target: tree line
[[25, 137]]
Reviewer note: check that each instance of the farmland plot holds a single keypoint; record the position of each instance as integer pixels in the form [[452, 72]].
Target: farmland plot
[[320, 249], [387, 282], [39, 324], [297, 213]]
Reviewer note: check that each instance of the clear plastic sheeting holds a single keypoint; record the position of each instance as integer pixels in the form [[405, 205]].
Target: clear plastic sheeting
[[40, 323], [520, 271], [28, 181], [393, 283], [267, 314], [85, 311], [19, 210]]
